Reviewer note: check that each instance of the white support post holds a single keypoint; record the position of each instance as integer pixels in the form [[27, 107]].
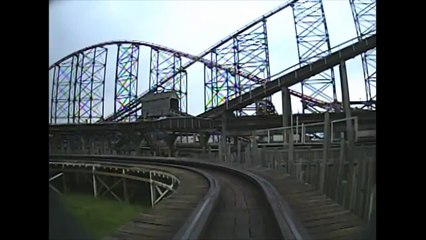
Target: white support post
[[173, 183], [126, 198], [152, 190], [269, 137], [95, 194]]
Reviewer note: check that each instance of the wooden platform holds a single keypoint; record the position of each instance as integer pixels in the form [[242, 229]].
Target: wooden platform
[[323, 218], [164, 220]]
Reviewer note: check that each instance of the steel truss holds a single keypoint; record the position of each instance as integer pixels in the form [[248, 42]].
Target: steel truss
[[90, 85], [163, 65], [364, 14], [245, 52], [62, 97], [313, 43], [126, 78]]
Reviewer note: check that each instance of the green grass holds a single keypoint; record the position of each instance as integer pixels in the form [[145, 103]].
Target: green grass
[[100, 216]]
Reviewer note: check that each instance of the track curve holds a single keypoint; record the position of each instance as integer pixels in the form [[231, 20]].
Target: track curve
[[248, 206], [242, 211]]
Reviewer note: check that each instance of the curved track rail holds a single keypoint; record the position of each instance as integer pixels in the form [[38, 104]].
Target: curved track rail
[[242, 211], [197, 221], [244, 198]]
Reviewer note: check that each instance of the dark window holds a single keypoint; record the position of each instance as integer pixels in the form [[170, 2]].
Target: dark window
[[174, 104]]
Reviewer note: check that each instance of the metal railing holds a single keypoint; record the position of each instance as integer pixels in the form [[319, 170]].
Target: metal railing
[[300, 131]]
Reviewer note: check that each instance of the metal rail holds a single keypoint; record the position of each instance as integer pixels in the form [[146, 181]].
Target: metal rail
[[295, 75]]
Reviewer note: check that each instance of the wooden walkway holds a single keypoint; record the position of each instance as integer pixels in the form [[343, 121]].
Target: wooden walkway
[[322, 217], [165, 219]]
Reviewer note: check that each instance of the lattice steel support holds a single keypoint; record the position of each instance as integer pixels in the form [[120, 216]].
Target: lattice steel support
[[164, 65], [53, 98], [90, 85], [313, 43], [246, 52], [63, 91], [364, 14], [126, 78]]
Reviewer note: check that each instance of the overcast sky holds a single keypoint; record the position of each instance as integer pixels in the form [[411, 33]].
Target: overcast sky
[[192, 27]]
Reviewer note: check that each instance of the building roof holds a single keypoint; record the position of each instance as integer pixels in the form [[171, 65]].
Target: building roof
[[163, 95]]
